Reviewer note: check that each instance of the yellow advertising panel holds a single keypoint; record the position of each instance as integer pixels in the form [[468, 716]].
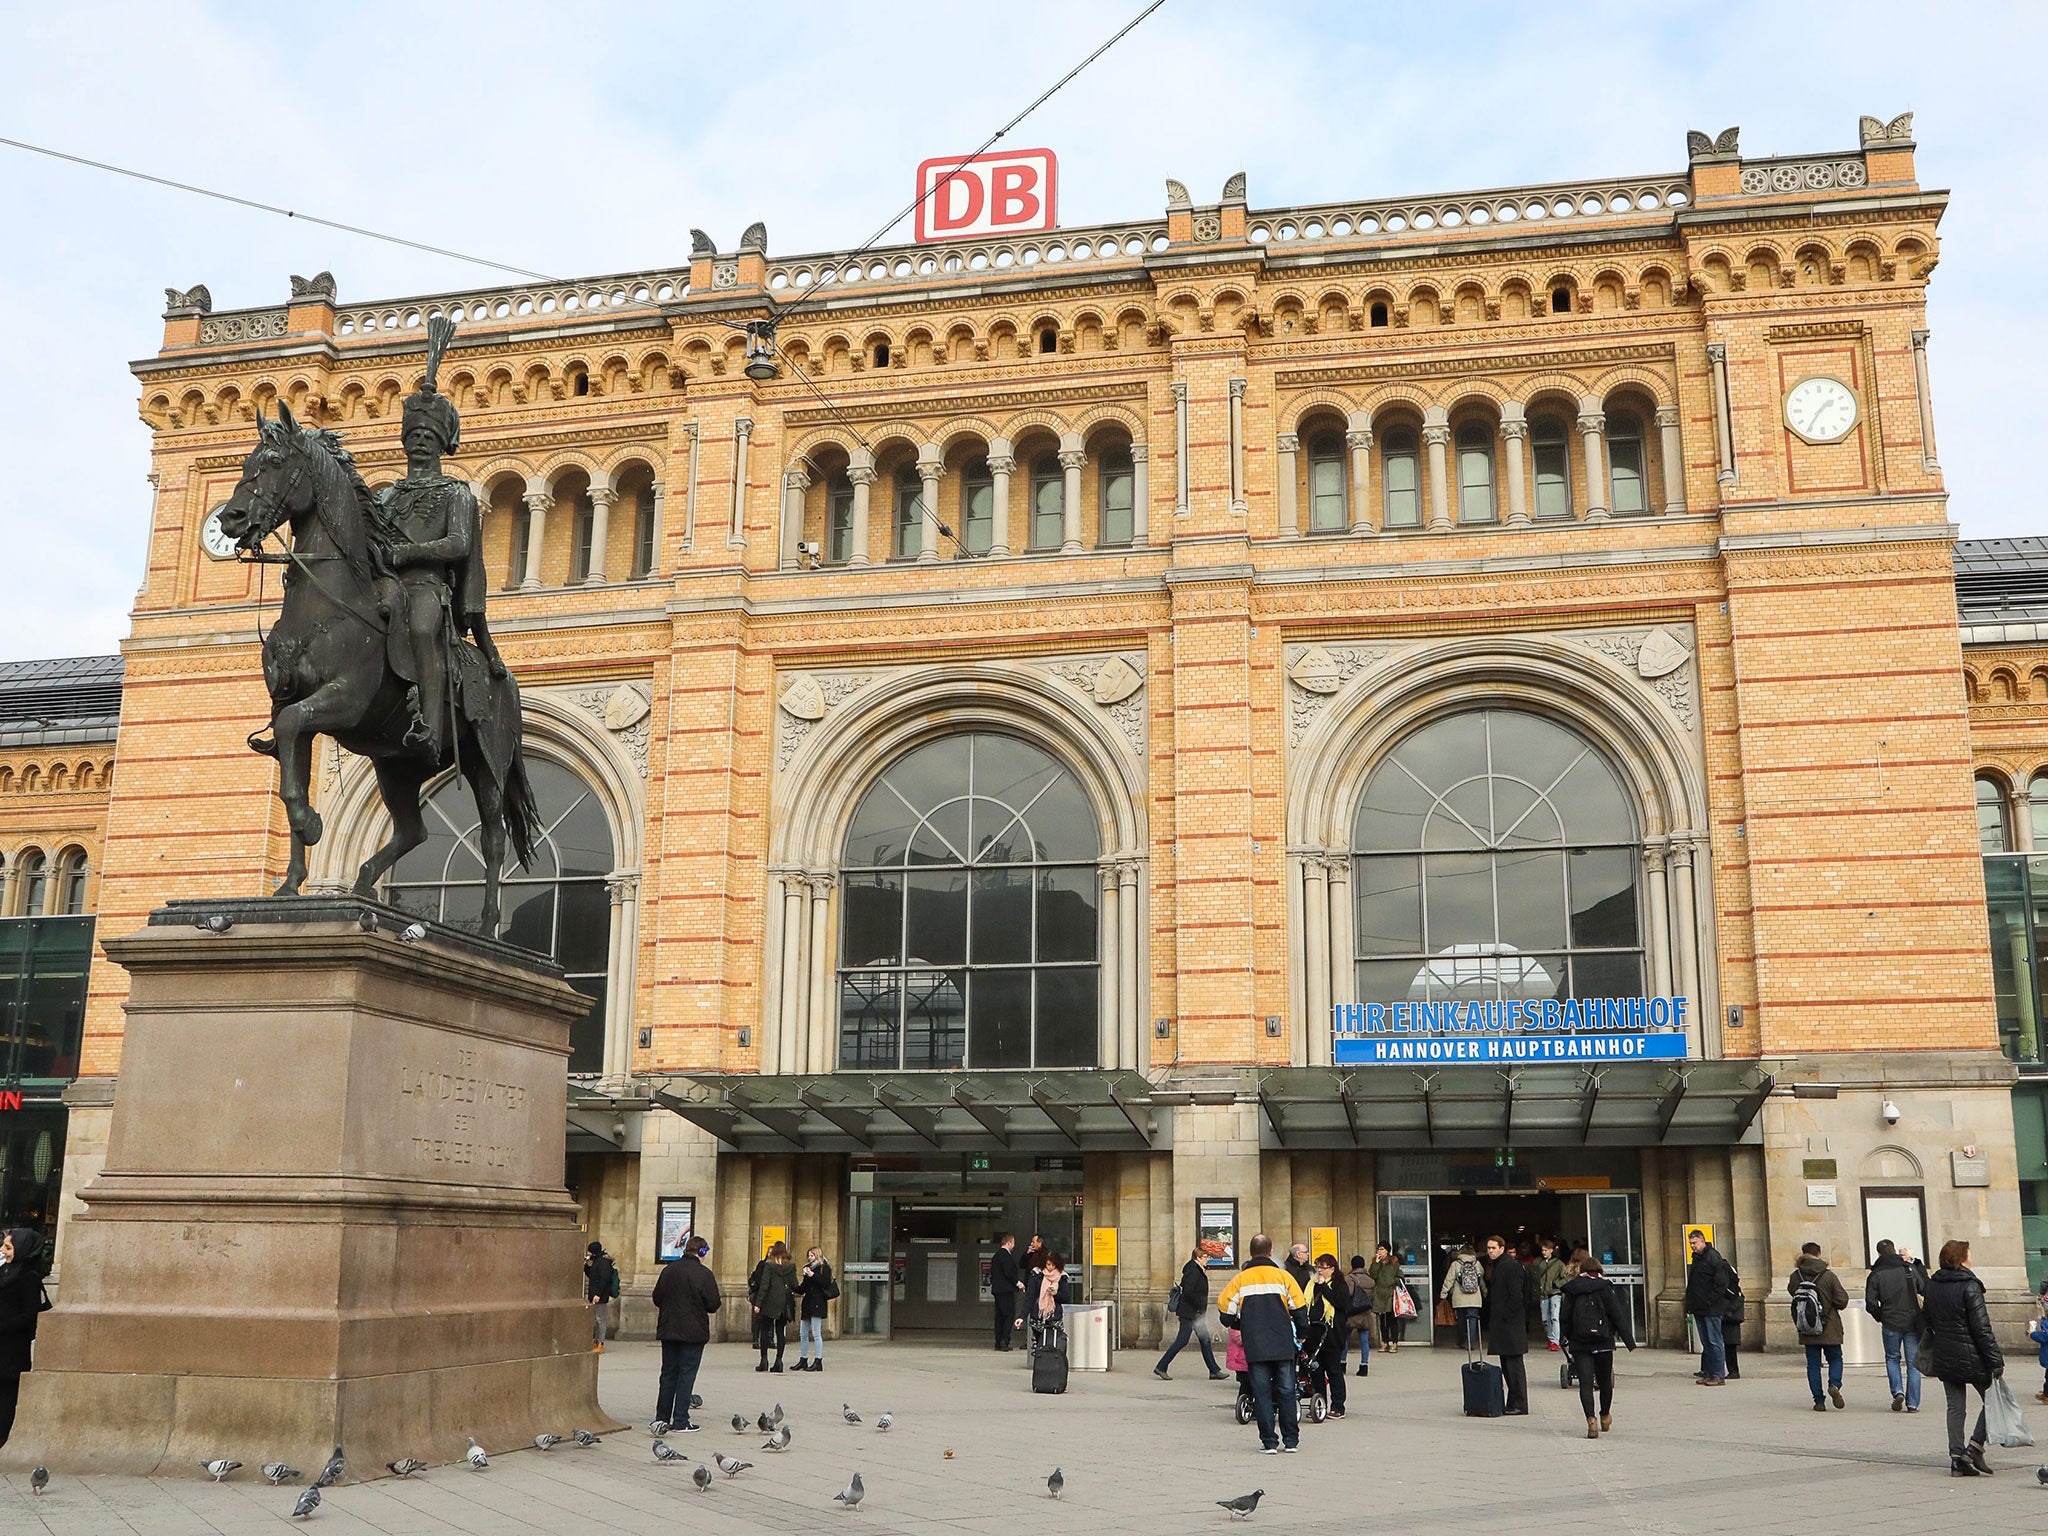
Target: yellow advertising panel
[[1322, 1240], [1103, 1246], [770, 1236]]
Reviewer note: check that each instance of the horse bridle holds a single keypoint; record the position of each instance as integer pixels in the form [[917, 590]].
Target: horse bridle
[[281, 507]]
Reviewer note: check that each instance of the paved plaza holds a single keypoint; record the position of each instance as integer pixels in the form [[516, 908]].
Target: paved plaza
[[971, 1448]]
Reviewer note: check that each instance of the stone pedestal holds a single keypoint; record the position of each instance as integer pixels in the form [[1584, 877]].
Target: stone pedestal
[[332, 1209]]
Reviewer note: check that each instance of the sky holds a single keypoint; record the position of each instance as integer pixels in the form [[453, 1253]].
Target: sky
[[589, 139]]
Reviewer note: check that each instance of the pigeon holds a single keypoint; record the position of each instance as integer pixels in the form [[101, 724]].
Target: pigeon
[[1055, 1483], [851, 1494], [765, 1424], [2040, 1476], [731, 1466], [331, 1473], [275, 1472], [477, 1458], [846, 1412], [663, 1451], [217, 1470], [696, 1401], [583, 1437], [885, 1421], [412, 933], [367, 920], [779, 1441], [739, 1423], [308, 1502], [775, 1418], [702, 1478], [405, 1466], [38, 1480], [1242, 1506], [546, 1442]]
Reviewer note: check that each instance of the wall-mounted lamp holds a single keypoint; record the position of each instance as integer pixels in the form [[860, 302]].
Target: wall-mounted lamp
[[1272, 1026], [746, 1036], [1162, 1029], [760, 363], [646, 1039]]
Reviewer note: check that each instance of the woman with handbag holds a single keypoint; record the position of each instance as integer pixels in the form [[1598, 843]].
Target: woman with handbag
[[23, 1264], [1957, 1345], [771, 1290], [816, 1290], [1385, 1274], [1188, 1303]]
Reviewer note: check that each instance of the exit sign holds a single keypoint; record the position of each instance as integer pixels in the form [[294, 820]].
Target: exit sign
[[1009, 193], [977, 1165]]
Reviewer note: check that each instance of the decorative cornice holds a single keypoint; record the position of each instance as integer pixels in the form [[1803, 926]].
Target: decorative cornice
[[954, 404], [1818, 330], [1490, 362]]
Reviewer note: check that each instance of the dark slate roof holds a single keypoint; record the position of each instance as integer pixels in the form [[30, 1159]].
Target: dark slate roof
[[59, 702], [2001, 581]]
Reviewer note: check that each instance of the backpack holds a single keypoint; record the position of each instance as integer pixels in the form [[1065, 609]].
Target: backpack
[[1809, 1312], [1589, 1324], [1468, 1277], [615, 1282], [1173, 1299]]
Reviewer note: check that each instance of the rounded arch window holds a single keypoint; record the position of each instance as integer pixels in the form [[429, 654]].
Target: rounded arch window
[[1496, 856], [559, 907], [1994, 826], [968, 930]]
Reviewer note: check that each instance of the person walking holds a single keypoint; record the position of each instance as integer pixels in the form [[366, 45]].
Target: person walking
[[1510, 1309], [24, 1262], [1267, 1308], [1385, 1273], [1708, 1280], [771, 1290], [1191, 1308], [2039, 1334], [1329, 1300], [1550, 1278], [1464, 1288], [600, 1289], [1818, 1301], [1298, 1265], [685, 1296], [1960, 1350], [1592, 1317], [816, 1290], [1363, 1318], [1005, 1287], [1892, 1296]]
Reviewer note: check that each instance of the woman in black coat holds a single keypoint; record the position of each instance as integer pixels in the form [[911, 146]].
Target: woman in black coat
[[22, 1267], [1593, 1319], [815, 1291], [1191, 1316], [1957, 1345]]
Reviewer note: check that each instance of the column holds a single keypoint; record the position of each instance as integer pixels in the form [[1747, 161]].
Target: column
[[691, 430], [1674, 459], [860, 469], [1593, 438], [1237, 447], [1182, 507], [1925, 395], [620, 966], [1436, 437], [602, 495], [1108, 1026], [1290, 514], [1514, 431], [816, 1052], [1343, 943], [1358, 438], [2019, 805], [1724, 420], [1688, 977], [1131, 1019], [660, 515], [1654, 877], [1315, 915], [795, 481], [742, 438], [1297, 958], [931, 464], [537, 503], [791, 1011], [1071, 459], [1141, 496], [1001, 463]]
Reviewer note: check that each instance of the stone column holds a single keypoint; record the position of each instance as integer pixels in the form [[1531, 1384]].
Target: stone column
[[791, 1014], [659, 514], [742, 439], [1001, 463], [2019, 807], [602, 495], [1108, 1026], [1182, 506], [1315, 914], [1514, 431], [860, 470], [1141, 496], [1682, 904], [1237, 447], [1297, 957], [1674, 459], [1436, 437], [1129, 972], [1071, 459], [1290, 510], [693, 431], [1654, 878], [931, 464], [1724, 420], [1343, 943], [795, 481], [1358, 438], [815, 1051], [538, 500], [1593, 437], [621, 971], [1925, 396]]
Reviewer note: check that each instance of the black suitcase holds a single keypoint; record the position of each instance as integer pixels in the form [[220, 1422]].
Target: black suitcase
[[1049, 1362], [1486, 1390]]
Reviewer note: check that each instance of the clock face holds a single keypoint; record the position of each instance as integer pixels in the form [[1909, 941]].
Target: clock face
[[1820, 410], [214, 539]]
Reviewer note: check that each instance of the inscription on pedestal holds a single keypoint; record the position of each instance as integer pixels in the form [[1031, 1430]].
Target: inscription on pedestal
[[472, 1111]]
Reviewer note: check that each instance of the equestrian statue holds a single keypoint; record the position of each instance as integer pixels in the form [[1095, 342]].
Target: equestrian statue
[[380, 642]]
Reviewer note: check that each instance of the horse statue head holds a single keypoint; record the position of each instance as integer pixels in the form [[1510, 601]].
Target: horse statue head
[[277, 484]]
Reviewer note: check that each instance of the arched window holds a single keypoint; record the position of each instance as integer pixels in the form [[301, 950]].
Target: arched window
[[1994, 827], [1625, 478], [1550, 447], [1048, 502], [909, 514], [586, 527], [2037, 809], [71, 883], [1326, 510], [1117, 484], [643, 532], [1378, 315], [32, 878], [978, 507], [559, 907], [838, 521], [969, 921], [522, 539], [1475, 473], [1401, 479], [1496, 857]]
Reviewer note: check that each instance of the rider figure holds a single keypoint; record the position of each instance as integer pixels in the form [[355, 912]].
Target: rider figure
[[436, 556]]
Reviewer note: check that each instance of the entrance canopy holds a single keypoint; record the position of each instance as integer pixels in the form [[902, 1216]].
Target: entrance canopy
[[1621, 1104], [913, 1113]]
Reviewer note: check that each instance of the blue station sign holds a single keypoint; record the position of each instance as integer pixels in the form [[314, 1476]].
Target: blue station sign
[[1594, 1029]]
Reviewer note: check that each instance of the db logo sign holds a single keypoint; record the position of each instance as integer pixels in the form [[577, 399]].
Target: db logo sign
[[1001, 194]]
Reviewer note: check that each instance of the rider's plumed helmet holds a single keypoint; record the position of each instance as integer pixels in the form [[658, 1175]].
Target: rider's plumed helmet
[[427, 401]]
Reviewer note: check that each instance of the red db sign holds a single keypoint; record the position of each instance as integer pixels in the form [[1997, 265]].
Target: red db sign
[[1001, 194]]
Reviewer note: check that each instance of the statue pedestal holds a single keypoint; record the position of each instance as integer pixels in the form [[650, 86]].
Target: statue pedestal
[[332, 1209]]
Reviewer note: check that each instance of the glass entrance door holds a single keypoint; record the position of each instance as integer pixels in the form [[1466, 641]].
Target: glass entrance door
[[1404, 1228], [1614, 1235], [864, 1272]]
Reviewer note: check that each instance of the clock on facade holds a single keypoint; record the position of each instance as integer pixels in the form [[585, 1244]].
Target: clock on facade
[[214, 539], [1820, 410]]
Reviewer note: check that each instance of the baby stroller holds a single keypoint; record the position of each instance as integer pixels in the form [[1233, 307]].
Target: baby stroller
[[1311, 1379]]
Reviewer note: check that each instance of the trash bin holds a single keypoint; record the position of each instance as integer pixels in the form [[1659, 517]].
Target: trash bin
[[1089, 1336], [1862, 1336]]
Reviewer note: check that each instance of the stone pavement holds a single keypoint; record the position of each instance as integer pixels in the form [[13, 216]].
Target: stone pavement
[[971, 1448]]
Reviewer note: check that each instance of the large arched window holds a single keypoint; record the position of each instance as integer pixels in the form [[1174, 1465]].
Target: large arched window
[[1401, 479], [968, 934], [1116, 482], [1475, 473], [1327, 510], [1550, 446], [2037, 809], [1048, 502], [71, 883], [909, 539], [978, 507], [1496, 857], [32, 878], [559, 908], [1994, 828], [1626, 482]]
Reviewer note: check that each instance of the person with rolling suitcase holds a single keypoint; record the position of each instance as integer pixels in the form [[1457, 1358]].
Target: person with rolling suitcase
[[1049, 1351], [1265, 1305]]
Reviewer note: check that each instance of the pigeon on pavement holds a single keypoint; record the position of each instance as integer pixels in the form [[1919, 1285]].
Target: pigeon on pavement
[[775, 1418], [1242, 1506], [739, 1423], [846, 1412], [1055, 1483], [2040, 1475], [546, 1442], [779, 1441], [38, 1480], [663, 1451], [331, 1473], [702, 1478], [405, 1466], [764, 1423], [275, 1472], [476, 1455], [851, 1494], [885, 1421], [308, 1502], [583, 1437], [219, 1469], [731, 1466]]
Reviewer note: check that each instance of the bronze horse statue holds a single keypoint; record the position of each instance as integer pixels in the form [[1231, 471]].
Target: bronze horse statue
[[334, 666]]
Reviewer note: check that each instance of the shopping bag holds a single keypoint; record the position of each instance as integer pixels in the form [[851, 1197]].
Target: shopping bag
[[1404, 1301], [2002, 1420], [1446, 1314]]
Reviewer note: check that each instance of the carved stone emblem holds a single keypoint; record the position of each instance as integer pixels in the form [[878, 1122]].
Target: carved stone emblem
[[1662, 653], [1117, 681], [626, 708], [804, 699], [1316, 671]]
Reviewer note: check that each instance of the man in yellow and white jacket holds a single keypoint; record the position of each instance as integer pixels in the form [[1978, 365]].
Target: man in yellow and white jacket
[[1266, 1307]]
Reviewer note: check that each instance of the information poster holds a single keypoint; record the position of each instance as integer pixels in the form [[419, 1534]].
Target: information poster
[[1322, 1240], [1102, 1247], [674, 1216], [942, 1277], [770, 1236], [1216, 1232]]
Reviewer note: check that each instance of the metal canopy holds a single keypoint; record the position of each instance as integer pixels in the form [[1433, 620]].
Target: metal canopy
[[1619, 1104], [910, 1113]]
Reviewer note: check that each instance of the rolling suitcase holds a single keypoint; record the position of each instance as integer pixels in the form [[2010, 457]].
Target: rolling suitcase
[[1486, 1389], [1049, 1362]]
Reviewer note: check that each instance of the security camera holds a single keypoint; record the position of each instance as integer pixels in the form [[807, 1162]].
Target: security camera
[[813, 549], [1891, 1113]]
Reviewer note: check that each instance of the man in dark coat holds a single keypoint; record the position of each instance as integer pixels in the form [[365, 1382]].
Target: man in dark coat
[[23, 1264], [1005, 1284], [1510, 1299], [684, 1298], [1194, 1302], [1709, 1278], [1892, 1296]]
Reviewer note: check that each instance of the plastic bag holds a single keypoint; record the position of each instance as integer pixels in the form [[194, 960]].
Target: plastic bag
[[1404, 1301], [2002, 1420]]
